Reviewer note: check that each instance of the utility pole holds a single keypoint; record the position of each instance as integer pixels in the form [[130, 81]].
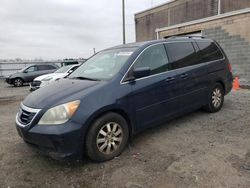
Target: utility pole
[[123, 21], [219, 7]]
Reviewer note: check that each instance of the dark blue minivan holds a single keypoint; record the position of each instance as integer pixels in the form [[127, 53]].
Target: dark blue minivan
[[121, 91]]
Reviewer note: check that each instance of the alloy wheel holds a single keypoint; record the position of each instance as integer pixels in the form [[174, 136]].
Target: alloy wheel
[[217, 97], [18, 82], [109, 138]]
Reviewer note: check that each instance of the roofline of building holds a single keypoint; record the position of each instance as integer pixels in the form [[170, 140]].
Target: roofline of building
[[211, 18], [153, 8]]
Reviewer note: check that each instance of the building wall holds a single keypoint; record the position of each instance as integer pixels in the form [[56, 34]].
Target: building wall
[[180, 11]]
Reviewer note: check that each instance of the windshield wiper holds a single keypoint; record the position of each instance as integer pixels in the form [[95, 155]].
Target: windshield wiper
[[85, 78]]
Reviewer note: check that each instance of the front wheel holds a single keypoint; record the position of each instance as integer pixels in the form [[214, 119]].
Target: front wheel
[[18, 82], [107, 137], [216, 99]]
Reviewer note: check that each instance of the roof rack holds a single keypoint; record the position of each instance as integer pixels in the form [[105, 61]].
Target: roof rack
[[185, 36]]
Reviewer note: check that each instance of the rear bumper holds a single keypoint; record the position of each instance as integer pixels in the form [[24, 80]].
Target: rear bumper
[[229, 84]]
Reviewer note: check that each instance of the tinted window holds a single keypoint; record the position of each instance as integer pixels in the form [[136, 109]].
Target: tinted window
[[155, 58], [182, 54], [209, 51], [45, 67], [42, 67], [51, 67]]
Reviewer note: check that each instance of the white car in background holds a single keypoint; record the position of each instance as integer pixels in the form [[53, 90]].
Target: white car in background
[[47, 79]]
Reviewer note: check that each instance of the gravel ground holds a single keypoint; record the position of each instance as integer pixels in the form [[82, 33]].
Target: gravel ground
[[196, 150]]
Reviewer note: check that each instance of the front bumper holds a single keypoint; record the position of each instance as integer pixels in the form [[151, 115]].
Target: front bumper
[[9, 81], [58, 141]]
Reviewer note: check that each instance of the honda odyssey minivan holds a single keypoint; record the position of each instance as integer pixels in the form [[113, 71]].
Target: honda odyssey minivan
[[121, 91]]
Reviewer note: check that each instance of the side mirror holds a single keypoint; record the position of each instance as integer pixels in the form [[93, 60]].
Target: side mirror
[[25, 71], [70, 71], [141, 72]]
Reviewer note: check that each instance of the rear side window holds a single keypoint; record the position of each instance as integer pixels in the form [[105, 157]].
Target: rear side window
[[182, 54], [42, 67], [45, 67], [155, 58], [51, 67], [209, 51]]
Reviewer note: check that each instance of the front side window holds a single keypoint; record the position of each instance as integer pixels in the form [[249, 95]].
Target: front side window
[[104, 65], [31, 69], [155, 58], [182, 54]]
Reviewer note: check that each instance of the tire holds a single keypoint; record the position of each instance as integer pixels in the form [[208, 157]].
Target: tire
[[18, 82], [216, 99], [107, 137]]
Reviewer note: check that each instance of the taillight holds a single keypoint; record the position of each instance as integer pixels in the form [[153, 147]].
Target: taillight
[[229, 67]]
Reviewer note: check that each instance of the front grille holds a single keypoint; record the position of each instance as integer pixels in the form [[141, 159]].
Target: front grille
[[36, 83], [26, 117]]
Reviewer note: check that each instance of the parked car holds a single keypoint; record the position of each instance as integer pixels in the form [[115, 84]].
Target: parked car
[[137, 86], [30, 72], [47, 79]]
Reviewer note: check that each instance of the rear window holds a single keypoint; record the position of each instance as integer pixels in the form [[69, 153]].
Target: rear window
[[182, 54], [209, 51]]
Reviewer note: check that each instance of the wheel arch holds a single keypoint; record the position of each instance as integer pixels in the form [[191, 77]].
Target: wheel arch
[[104, 111], [222, 84], [18, 77]]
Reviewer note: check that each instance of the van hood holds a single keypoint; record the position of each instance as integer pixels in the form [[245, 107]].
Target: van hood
[[58, 92]]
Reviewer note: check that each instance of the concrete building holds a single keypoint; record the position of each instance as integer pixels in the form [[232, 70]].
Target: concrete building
[[226, 21]]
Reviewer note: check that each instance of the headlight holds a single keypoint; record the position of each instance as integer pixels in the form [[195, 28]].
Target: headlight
[[59, 114], [47, 79]]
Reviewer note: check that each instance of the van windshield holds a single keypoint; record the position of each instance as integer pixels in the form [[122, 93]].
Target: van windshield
[[104, 65]]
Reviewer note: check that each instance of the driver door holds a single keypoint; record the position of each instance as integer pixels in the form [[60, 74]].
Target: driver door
[[31, 73], [154, 97]]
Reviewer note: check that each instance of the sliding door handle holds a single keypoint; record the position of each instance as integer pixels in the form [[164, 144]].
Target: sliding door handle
[[184, 76], [170, 79]]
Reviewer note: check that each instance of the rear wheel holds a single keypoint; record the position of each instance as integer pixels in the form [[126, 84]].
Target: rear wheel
[[216, 99], [18, 82], [107, 137]]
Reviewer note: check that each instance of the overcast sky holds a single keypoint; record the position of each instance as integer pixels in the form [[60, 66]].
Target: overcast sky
[[55, 29]]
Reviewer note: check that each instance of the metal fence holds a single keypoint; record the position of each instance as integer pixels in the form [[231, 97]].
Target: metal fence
[[8, 68]]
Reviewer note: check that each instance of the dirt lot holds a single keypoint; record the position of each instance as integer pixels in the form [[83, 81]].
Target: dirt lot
[[197, 150]]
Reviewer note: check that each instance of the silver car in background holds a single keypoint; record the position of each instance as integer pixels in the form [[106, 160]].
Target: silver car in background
[[27, 74], [47, 79]]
